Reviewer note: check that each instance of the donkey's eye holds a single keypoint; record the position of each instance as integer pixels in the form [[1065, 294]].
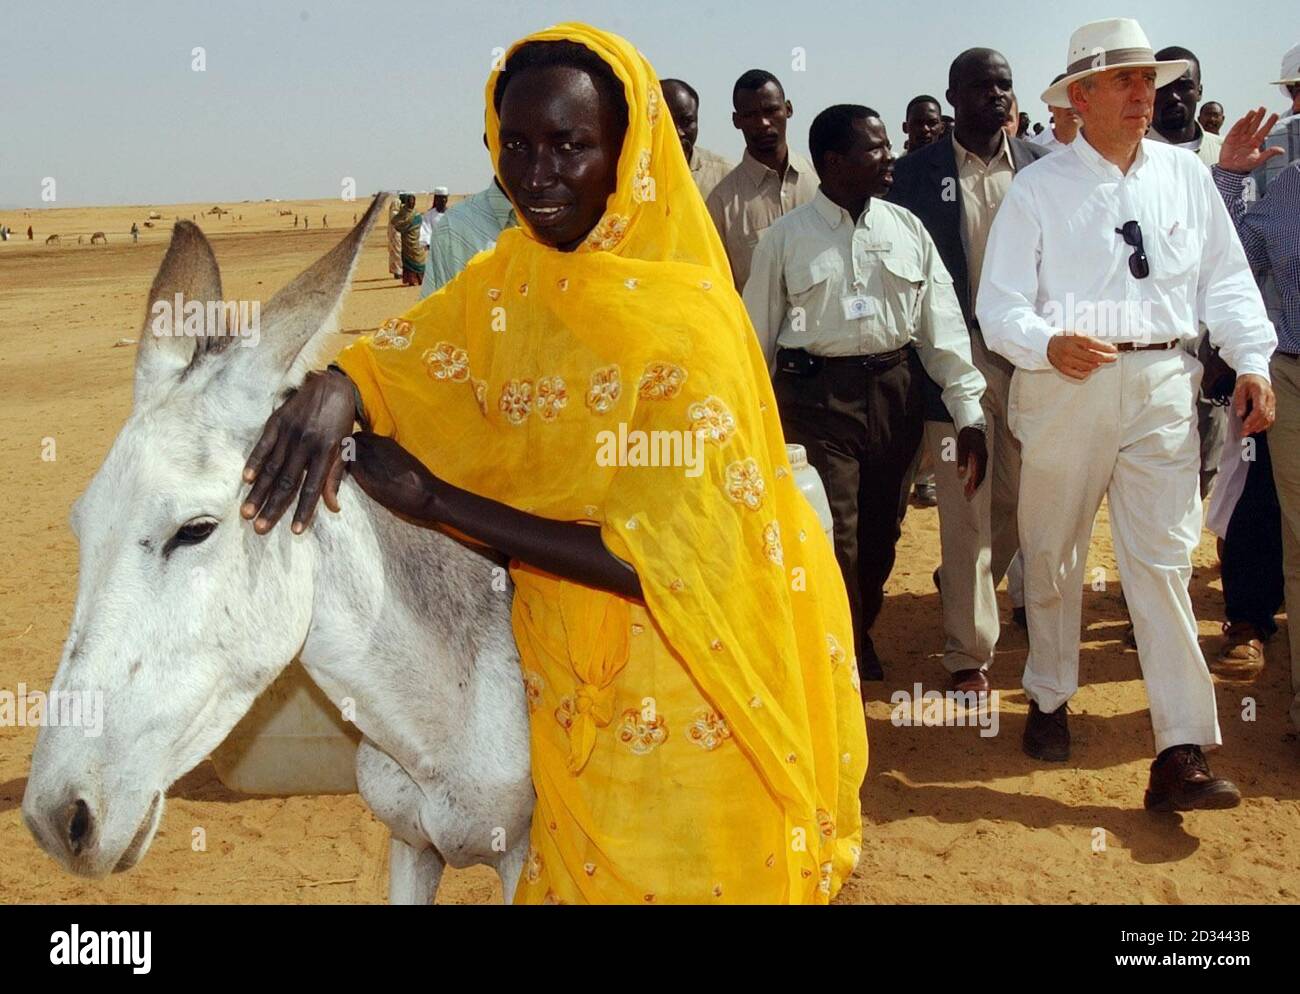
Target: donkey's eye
[[190, 533]]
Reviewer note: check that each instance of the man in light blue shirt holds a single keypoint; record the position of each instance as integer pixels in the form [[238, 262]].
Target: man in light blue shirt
[[469, 228]]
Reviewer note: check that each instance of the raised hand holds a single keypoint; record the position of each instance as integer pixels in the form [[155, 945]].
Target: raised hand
[[1241, 152]]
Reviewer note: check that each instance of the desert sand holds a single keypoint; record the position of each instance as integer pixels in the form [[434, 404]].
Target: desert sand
[[949, 815]]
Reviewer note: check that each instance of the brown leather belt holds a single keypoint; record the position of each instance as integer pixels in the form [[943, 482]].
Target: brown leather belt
[[1139, 347]]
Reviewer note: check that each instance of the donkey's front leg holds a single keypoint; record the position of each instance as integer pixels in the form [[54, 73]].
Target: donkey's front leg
[[511, 866], [413, 873]]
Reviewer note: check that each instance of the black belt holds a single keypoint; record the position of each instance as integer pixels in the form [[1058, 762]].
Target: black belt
[[800, 362]]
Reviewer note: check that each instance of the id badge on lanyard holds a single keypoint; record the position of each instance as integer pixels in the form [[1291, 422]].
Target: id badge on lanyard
[[857, 305]]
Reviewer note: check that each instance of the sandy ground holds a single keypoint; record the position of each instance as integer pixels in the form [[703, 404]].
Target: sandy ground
[[950, 816]]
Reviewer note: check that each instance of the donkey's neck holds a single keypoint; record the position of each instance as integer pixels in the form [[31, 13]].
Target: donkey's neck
[[408, 624]]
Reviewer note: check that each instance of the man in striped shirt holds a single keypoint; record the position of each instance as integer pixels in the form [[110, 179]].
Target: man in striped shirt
[[1269, 230], [469, 228]]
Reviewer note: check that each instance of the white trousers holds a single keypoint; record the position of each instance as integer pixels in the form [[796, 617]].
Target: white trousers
[[1128, 433]]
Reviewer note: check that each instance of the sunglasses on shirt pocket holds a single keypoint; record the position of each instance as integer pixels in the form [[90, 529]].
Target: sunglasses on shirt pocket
[[1138, 265]]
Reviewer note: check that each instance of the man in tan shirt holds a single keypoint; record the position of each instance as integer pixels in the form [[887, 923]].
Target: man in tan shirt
[[1175, 123], [955, 187], [707, 168], [850, 301], [769, 182]]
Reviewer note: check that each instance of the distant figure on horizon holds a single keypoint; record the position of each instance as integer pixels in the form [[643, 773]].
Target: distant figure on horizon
[[433, 216], [29, 232], [407, 222], [324, 221], [135, 232]]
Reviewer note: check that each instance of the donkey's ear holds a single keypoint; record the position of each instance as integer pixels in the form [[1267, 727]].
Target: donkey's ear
[[188, 276], [308, 308]]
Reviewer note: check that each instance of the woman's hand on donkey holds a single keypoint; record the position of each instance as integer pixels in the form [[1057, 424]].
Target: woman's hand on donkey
[[300, 453]]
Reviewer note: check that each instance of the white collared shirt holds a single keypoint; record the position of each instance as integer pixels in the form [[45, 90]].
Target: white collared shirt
[[815, 257], [1049, 140], [1055, 261]]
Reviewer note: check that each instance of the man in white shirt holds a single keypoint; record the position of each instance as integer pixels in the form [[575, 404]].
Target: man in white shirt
[[1065, 126], [1101, 261], [434, 215]]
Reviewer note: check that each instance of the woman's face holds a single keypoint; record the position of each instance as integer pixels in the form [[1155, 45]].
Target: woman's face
[[560, 143]]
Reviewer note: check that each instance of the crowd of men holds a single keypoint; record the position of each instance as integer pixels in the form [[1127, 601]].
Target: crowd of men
[[1042, 320]]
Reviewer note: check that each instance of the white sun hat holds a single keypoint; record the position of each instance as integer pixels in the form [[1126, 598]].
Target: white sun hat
[[1290, 71], [440, 191], [1115, 43]]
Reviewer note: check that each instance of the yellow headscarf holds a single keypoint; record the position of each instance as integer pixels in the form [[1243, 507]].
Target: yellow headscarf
[[502, 381]]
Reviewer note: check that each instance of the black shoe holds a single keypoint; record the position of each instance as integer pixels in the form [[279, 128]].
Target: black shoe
[[935, 577], [1020, 618], [1047, 734], [1181, 781], [925, 495], [869, 667]]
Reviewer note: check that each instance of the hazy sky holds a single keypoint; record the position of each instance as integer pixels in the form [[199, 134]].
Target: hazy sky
[[297, 95]]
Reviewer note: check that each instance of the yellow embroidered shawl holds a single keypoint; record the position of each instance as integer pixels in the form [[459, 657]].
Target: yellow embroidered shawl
[[504, 380]]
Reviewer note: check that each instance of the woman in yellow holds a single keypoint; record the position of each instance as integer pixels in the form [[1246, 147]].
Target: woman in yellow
[[589, 399]]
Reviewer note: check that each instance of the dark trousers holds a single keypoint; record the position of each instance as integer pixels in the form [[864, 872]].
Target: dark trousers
[[861, 427], [1252, 549]]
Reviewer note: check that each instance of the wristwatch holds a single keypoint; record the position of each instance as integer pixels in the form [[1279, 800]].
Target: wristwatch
[[356, 396]]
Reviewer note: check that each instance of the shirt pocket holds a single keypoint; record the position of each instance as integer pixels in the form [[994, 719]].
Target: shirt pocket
[[1175, 266], [903, 282], [806, 279], [1178, 253]]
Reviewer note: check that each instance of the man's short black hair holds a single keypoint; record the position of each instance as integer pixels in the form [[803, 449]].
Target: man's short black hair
[[754, 79], [966, 59], [539, 54], [924, 98], [832, 130], [663, 83], [1178, 52]]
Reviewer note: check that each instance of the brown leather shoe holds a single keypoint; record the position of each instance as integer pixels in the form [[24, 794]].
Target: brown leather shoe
[[1047, 734], [1181, 781], [970, 682], [1242, 651]]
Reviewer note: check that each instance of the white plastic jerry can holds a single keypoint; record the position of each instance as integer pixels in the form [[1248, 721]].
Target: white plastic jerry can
[[809, 482], [292, 741]]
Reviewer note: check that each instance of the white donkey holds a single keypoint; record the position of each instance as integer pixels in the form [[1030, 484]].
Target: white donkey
[[184, 616]]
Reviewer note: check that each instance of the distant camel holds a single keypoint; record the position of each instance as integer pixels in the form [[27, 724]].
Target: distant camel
[[52, 240], [148, 224], [155, 216], [99, 238]]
